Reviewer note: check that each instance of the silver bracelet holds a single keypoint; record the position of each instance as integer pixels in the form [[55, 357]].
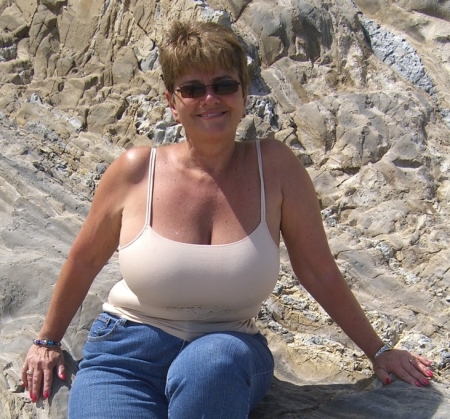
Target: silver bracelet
[[384, 348]]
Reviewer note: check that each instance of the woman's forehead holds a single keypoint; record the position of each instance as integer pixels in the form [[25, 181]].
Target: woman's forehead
[[202, 76]]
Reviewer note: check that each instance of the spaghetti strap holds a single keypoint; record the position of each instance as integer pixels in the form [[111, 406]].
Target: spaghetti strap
[[261, 177], [151, 173]]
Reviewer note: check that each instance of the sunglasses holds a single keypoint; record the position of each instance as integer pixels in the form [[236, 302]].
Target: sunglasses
[[196, 90]]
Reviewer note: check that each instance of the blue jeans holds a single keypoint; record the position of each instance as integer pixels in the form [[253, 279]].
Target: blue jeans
[[136, 371]]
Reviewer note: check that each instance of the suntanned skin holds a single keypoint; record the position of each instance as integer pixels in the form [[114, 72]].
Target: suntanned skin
[[207, 191]]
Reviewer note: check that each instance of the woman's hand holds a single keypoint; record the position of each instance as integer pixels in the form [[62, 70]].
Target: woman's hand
[[37, 371], [407, 366]]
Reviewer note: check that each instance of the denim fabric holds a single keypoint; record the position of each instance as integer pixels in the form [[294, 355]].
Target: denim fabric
[[133, 370]]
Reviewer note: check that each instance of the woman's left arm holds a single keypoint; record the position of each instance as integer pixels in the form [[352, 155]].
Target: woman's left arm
[[316, 269]]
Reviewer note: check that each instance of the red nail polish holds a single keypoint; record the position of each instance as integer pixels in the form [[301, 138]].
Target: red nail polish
[[388, 381], [46, 395], [417, 384], [425, 382], [63, 377], [430, 373]]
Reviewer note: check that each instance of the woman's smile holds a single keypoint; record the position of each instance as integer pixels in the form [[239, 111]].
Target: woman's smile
[[211, 114]]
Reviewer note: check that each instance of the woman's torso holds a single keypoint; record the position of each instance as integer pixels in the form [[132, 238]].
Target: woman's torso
[[204, 256]]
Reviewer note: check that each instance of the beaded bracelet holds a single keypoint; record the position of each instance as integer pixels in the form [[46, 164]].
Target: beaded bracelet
[[384, 348], [46, 342]]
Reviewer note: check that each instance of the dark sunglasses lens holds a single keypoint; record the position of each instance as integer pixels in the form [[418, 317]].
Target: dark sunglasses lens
[[196, 90], [226, 87], [192, 90]]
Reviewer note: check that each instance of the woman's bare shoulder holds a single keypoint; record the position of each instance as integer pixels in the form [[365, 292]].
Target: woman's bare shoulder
[[293, 179], [131, 166], [275, 149], [128, 170], [278, 157]]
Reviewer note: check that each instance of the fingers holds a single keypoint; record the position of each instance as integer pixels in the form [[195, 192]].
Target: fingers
[[411, 368], [411, 373], [48, 378], [25, 376], [37, 372], [35, 382], [62, 370], [424, 362], [47, 388], [29, 379], [28, 376], [35, 379], [383, 376], [420, 368]]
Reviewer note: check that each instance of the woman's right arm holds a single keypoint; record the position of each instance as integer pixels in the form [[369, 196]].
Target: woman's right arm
[[97, 240], [316, 268]]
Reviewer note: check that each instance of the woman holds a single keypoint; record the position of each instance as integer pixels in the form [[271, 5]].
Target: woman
[[198, 226]]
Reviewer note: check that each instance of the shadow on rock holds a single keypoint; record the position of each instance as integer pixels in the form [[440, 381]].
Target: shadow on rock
[[399, 400]]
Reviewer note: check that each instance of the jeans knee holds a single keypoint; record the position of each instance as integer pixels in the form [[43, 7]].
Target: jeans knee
[[222, 376], [202, 364], [217, 358]]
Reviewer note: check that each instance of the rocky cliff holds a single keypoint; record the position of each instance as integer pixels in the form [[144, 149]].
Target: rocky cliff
[[358, 89]]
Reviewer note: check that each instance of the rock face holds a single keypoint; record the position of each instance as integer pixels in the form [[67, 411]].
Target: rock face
[[358, 89]]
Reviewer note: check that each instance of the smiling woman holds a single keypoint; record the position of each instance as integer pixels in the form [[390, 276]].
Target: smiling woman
[[198, 225], [208, 105]]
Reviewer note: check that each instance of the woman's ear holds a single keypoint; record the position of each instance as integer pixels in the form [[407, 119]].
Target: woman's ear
[[170, 97]]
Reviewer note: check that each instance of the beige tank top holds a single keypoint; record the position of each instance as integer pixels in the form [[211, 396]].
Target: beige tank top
[[188, 290]]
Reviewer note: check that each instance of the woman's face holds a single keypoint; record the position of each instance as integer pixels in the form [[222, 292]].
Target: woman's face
[[214, 111]]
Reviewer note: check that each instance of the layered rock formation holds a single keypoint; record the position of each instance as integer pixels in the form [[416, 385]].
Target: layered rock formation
[[359, 91]]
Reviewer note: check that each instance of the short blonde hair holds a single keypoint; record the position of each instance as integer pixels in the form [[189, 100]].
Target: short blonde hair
[[204, 46]]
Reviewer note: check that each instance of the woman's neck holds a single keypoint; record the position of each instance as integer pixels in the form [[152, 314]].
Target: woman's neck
[[214, 158]]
